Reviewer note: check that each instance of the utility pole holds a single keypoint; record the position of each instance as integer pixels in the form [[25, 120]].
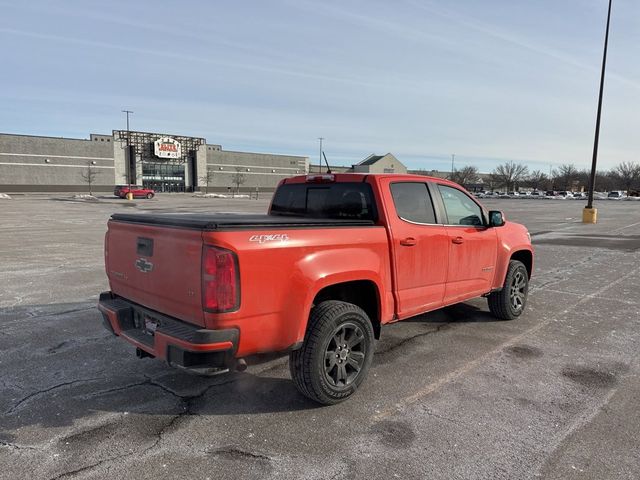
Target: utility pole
[[320, 156], [453, 158], [127, 112], [590, 214]]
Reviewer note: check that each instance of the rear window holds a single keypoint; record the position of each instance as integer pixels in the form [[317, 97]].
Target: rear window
[[413, 202], [335, 200]]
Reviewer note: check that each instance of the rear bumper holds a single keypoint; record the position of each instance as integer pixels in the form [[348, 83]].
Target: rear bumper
[[179, 343]]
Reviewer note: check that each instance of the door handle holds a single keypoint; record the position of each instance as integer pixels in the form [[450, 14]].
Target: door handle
[[458, 240], [408, 242]]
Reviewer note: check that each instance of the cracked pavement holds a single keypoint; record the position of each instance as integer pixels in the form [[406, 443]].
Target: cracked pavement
[[451, 394]]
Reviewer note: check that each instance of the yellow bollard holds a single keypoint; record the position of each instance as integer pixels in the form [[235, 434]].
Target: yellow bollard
[[129, 196], [590, 215]]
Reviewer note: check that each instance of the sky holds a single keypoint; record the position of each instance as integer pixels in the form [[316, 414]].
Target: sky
[[489, 81]]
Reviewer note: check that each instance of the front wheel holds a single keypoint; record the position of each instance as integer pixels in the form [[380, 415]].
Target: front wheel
[[509, 302], [149, 195], [336, 354]]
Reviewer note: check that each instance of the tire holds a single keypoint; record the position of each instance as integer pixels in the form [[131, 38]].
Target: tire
[[324, 370], [509, 302], [149, 195]]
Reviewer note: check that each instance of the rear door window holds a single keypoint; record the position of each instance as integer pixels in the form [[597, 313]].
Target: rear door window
[[413, 202]]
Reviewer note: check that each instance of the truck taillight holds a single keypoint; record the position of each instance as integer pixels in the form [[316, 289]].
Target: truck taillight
[[326, 178], [220, 278]]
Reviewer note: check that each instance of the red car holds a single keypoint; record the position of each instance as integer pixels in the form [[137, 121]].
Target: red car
[[336, 258], [122, 190]]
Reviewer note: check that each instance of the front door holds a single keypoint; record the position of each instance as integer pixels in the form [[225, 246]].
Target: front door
[[473, 247], [420, 248], [163, 177]]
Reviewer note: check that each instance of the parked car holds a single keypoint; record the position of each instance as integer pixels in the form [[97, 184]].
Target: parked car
[[337, 257], [615, 194], [550, 193], [122, 190], [536, 193], [578, 195]]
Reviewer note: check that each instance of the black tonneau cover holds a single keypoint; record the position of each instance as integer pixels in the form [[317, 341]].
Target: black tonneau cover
[[230, 221]]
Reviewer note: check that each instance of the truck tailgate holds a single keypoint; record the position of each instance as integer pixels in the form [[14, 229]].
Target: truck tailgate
[[158, 267]]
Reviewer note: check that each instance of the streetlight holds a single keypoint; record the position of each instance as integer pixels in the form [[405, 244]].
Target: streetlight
[[453, 158], [590, 214], [129, 194]]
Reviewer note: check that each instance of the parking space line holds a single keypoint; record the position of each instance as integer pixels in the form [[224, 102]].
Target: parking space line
[[624, 228], [451, 376]]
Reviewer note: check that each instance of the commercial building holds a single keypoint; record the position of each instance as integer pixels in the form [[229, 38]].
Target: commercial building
[[380, 164], [387, 163], [164, 162]]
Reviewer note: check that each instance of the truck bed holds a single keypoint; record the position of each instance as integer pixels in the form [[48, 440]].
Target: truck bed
[[230, 221]]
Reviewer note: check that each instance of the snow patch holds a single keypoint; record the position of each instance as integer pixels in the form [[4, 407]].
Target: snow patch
[[84, 196], [4, 196], [219, 195]]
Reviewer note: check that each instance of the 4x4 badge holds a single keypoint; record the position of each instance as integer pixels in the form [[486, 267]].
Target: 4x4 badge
[[143, 265]]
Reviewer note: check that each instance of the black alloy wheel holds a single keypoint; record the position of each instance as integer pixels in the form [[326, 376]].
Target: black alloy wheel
[[509, 302], [344, 355], [336, 354]]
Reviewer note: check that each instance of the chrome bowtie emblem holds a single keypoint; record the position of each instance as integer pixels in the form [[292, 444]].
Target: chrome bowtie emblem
[[143, 265]]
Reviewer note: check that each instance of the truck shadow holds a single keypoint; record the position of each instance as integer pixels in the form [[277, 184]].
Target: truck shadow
[[458, 313], [60, 366]]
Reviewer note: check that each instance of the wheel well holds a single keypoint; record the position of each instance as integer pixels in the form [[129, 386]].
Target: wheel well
[[526, 258], [362, 293]]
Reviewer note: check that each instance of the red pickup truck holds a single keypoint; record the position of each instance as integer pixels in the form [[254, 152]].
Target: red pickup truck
[[336, 257]]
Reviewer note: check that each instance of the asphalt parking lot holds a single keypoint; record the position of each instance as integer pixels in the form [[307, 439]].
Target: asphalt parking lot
[[452, 394]]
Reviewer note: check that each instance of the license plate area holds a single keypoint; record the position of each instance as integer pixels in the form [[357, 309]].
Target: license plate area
[[145, 323]]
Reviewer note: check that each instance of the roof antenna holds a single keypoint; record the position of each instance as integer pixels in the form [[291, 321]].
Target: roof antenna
[[325, 161]]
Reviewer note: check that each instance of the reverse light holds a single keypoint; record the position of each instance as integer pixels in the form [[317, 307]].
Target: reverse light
[[220, 280]]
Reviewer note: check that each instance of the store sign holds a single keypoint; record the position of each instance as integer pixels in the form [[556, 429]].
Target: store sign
[[167, 147]]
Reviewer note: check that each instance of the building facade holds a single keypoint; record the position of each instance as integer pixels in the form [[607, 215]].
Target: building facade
[[380, 164], [164, 162]]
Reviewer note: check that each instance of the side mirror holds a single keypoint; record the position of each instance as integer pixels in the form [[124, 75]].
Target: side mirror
[[496, 218]]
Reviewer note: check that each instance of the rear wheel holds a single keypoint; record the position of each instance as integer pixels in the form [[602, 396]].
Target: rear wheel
[[336, 354], [509, 302]]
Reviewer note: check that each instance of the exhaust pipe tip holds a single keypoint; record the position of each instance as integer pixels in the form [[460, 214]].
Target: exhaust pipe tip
[[140, 353], [241, 365]]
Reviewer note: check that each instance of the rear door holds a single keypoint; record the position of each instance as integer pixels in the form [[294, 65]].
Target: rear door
[[157, 267], [473, 246], [420, 248]]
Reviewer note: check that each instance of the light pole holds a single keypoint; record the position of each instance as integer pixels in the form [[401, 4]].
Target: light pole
[[320, 156], [590, 214], [129, 194], [453, 158]]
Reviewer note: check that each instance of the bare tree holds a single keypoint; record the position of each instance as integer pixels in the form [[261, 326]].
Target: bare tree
[[628, 174], [465, 175], [89, 176], [238, 178], [538, 180], [566, 174], [207, 178], [509, 174]]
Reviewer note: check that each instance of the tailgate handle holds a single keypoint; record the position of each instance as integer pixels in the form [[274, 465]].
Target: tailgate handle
[[144, 246], [458, 240]]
